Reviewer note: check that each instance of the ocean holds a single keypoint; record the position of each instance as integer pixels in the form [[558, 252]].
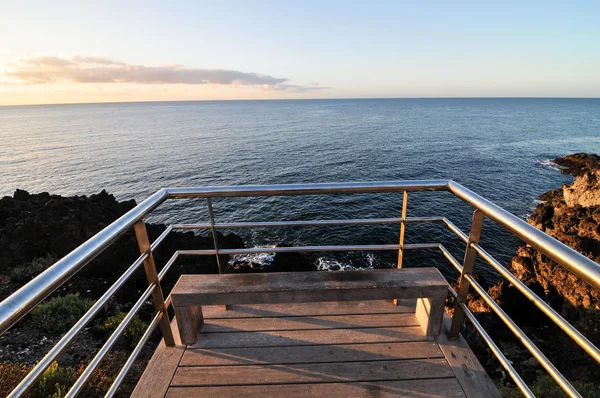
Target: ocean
[[500, 148]]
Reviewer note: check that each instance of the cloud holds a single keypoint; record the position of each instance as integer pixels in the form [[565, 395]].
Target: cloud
[[90, 69], [293, 88]]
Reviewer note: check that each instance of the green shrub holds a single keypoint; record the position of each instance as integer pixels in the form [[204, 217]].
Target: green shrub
[[60, 313], [55, 382], [26, 272], [134, 331]]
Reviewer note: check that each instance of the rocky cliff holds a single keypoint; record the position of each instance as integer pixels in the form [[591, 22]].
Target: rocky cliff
[[570, 214]]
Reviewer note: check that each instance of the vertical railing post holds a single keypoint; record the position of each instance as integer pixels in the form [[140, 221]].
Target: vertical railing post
[[468, 264], [141, 235], [211, 219], [402, 229]]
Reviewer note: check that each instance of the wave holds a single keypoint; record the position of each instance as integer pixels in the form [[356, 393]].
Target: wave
[[261, 260], [549, 163], [330, 264]]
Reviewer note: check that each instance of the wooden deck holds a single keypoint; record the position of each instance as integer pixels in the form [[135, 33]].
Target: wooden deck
[[333, 349]]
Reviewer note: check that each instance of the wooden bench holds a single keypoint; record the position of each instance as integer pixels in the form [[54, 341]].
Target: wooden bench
[[426, 285]]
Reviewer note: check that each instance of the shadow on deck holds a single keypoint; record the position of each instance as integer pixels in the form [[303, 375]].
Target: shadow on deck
[[333, 349]]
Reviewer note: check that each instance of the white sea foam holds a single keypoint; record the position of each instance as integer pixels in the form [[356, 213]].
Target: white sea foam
[[329, 264], [549, 163], [261, 259]]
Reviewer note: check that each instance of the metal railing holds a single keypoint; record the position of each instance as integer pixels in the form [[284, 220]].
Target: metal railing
[[26, 298]]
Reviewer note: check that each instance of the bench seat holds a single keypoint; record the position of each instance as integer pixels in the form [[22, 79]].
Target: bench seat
[[193, 291]]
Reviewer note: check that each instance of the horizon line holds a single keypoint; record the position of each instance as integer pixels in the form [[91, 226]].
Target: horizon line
[[288, 99]]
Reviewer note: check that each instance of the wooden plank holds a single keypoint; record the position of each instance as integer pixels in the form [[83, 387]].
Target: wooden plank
[[304, 309], [308, 337], [314, 354], [190, 322], [157, 376], [469, 372], [282, 287], [311, 372], [306, 322], [432, 388]]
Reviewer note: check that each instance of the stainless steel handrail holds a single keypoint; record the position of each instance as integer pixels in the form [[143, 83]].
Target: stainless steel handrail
[[22, 301], [308, 189]]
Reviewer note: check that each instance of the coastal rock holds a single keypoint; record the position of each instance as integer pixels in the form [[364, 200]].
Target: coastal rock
[[36, 226], [572, 216], [578, 164], [585, 191]]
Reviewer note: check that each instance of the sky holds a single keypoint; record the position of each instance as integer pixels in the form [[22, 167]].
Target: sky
[[110, 51]]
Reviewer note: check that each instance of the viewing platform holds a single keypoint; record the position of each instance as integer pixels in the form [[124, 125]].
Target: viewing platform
[[317, 333], [331, 349]]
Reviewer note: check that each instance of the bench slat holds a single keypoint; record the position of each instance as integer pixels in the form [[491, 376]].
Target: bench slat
[[306, 322], [281, 287]]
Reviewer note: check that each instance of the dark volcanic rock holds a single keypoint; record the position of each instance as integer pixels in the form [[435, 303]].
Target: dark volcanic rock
[[35, 225], [579, 163]]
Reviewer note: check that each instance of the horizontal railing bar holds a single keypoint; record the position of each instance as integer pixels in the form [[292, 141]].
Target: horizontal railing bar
[[494, 348], [136, 351], [308, 223], [76, 388], [339, 248], [309, 189], [62, 344], [533, 349], [167, 266], [459, 232], [180, 227], [579, 338], [23, 300], [570, 259], [451, 258], [162, 237]]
